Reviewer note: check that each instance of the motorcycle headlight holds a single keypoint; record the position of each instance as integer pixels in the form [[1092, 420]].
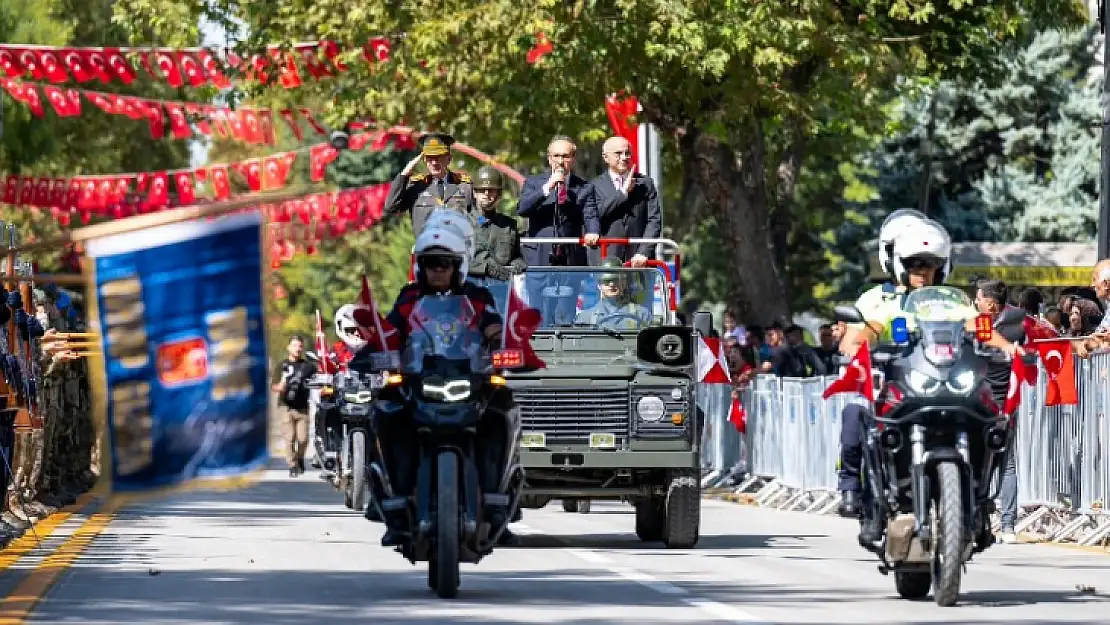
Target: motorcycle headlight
[[451, 390], [360, 397], [650, 408], [921, 384], [961, 381]]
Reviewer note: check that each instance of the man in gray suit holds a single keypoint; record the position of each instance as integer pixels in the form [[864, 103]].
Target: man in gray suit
[[626, 204]]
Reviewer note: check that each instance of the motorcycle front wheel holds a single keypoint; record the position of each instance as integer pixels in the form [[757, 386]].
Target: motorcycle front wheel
[[948, 539], [446, 567], [358, 486]]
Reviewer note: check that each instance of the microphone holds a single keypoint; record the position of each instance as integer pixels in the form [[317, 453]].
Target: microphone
[[561, 188]]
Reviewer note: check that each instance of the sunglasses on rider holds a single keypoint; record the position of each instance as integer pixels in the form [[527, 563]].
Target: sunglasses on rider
[[438, 262], [916, 264]]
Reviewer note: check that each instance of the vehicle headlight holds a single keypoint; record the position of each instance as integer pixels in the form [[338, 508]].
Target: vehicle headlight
[[921, 384], [360, 397], [961, 381], [452, 390], [650, 408]]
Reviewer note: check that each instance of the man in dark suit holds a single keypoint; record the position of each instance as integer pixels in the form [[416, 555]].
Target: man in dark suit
[[625, 205], [553, 203]]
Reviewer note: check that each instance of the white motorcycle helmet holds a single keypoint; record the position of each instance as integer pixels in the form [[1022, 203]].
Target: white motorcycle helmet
[[442, 242], [455, 221], [896, 223], [928, 242], [346, 328]]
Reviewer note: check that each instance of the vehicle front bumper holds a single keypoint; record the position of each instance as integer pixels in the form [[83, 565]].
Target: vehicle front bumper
[[586, 458]]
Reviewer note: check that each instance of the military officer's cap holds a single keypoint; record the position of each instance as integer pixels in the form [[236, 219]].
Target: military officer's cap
[[436, 144]]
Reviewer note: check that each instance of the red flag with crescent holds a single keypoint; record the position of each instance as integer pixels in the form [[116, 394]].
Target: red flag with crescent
[[1020, 373], [856, 377], [373, 327], [520, 323], [326, 365], [1059, 366]]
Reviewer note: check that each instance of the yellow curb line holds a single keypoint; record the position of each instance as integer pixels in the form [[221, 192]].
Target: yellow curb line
[[749, 500], [17, 606], [39, 532]]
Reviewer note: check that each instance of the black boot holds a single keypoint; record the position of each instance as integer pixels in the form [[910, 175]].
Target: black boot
[[850, 504], [870, 530]]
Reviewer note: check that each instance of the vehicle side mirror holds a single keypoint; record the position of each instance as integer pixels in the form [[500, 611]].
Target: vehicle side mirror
[[703, 322], [848, 314], [666, 345]]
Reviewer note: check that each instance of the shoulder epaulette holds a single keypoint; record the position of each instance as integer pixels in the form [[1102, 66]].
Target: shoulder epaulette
[[420, 178], [464, 178]]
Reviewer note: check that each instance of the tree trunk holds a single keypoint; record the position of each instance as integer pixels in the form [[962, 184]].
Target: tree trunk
[[732, 181]]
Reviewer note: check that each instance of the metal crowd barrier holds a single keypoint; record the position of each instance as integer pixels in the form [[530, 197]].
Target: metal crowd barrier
[[788, 457]]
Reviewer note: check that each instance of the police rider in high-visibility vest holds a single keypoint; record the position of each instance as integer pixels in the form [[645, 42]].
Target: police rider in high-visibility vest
[[915, 252]]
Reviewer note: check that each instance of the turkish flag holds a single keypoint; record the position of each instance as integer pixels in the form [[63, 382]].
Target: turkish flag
[[221, 186], [1059, 366], [168, 65], [48, 61], [319, 156], [856, 378], [543, 46], [287, 64], [194, 73], [120, 65], [97, 62], [252, 171], [376, 50], [179, 124], [158, 194], [322, 346], [1020, 373], [373, 327], [186, 192], [9, 63], [155, 117], [712, 363], [312, 62], [621, 111], [311, 119], [76, 63], [11, 190], [520, 323], [737, 416], [62, 104]]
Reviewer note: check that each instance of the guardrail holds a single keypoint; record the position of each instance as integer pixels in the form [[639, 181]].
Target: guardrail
[[787, 459]]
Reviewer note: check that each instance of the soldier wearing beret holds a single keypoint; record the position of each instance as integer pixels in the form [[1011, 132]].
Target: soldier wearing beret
[[438, 189]]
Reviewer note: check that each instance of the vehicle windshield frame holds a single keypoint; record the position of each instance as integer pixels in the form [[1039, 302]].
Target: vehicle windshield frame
[[658, 277]]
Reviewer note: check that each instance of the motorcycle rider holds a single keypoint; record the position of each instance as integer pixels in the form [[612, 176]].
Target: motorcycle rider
[[441, 269], [617, 302], [340, 355], [916, 252]]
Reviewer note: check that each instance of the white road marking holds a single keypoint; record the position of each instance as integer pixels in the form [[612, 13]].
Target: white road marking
[[720, 611]]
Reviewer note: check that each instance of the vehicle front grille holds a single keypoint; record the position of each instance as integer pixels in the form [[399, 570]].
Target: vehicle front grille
[[568, 416]]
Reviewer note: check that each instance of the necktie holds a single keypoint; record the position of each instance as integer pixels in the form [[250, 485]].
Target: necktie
[[562, 197], [439, 188]]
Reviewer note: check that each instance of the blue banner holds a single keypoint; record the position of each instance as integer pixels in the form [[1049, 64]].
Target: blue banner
[[183, 386]]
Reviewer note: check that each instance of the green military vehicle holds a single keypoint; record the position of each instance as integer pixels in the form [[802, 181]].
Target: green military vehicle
[[612, 415]]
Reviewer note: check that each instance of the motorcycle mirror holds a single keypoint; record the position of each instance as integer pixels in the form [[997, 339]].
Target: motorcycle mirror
[[848, 314]]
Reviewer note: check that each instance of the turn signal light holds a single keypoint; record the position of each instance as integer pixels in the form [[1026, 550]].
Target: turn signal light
[[394, 379], [677, 418], [497, 380], [327, 391], [984, 328]]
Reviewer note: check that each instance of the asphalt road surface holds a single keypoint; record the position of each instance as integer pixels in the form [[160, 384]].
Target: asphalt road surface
[[288, 552]]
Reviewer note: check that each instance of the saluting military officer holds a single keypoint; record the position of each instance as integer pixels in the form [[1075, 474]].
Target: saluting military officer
[[496, 239], [438, 189]]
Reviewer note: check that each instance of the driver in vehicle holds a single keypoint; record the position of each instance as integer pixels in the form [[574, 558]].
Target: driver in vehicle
[[617, 308], [915, 251], [442, 260]]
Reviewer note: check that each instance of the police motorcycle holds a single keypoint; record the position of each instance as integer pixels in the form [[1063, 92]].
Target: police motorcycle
[[447, 383], [935, 441], [355, 393]]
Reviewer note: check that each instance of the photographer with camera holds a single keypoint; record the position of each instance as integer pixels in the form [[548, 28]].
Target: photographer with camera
[[293, 396], [554, 204]]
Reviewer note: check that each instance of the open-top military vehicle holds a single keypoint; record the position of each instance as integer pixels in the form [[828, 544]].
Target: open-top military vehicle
[[612, 415]]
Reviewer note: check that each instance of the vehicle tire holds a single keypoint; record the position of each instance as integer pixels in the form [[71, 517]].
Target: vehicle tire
[[682, 510], [358, 488], [913, 585], [948, 537], [433, 574], [570, 505], [347, 498], [583, 506], [447, 526], [651, 518]]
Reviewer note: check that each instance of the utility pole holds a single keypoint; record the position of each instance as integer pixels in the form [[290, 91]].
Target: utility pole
[[1104, 186]]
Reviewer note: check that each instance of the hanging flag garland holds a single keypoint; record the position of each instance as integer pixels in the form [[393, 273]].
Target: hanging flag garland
[[195, 67]]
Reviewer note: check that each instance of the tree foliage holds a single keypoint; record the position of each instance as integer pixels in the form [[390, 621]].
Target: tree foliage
[[1013, 159], [741, 88]]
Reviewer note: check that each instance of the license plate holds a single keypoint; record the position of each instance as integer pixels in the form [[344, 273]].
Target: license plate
[[602, 440], [533, 439], [941, 351]]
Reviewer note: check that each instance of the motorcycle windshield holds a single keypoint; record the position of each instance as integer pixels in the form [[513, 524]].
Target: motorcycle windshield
[[939, 304], [444, 329]]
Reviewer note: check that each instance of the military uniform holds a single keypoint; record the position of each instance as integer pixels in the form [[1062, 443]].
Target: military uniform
[[422, 194], [626, 316], [496, 239]]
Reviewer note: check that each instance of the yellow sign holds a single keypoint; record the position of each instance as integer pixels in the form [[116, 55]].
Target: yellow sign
[[1036, 276]]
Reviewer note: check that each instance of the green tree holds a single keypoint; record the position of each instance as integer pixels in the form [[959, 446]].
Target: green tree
[[742, 87], [1013, 159]]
